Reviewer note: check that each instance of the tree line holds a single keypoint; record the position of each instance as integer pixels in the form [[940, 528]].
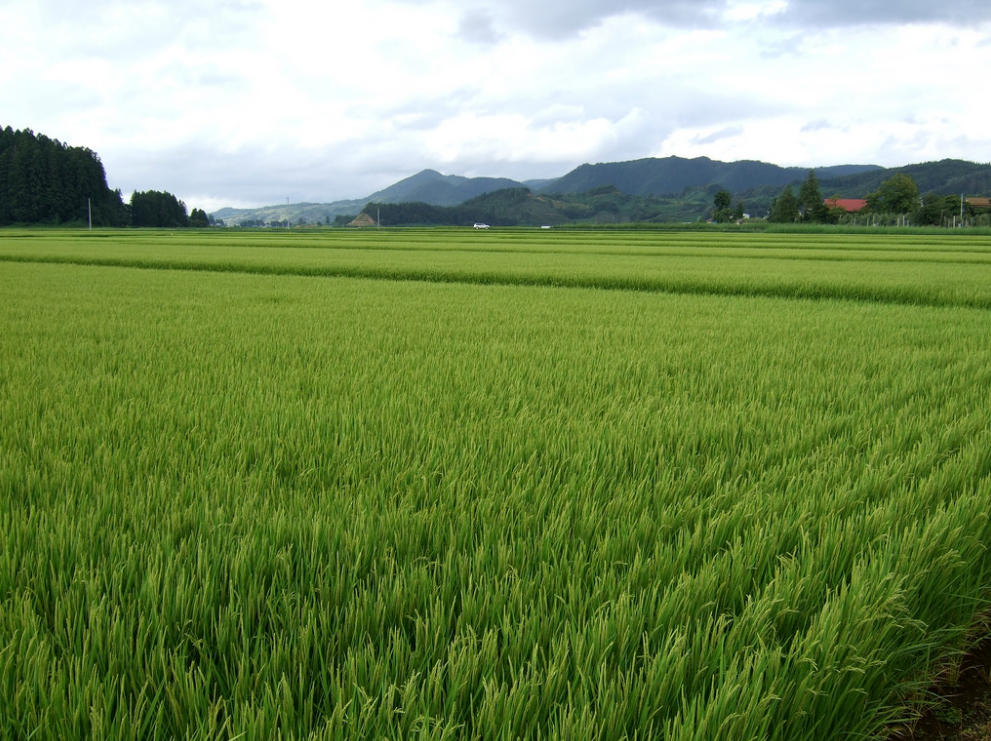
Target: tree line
[[603, 204], [43, 181], [896, 200], [503, 207], [153, 208]]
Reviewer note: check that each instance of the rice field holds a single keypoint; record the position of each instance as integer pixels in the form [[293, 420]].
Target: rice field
[[440, 484]]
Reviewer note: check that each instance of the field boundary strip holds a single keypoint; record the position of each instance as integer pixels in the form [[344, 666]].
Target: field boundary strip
[[898, 295]]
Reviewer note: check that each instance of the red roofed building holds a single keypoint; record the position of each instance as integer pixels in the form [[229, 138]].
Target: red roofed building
[[849, 205]]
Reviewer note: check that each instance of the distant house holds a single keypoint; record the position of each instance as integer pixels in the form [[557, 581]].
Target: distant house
[[979, 204], [850, 205]]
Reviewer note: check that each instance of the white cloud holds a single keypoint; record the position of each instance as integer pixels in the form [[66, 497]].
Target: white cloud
[[846, 13], [250, 102], [477, 24], [738, 12]]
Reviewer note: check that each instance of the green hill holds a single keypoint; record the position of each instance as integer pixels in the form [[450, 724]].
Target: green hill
[[946, 177], [429, 186], [671, 189], [521, 207], [669, 175], [426, 187], [506, 207]]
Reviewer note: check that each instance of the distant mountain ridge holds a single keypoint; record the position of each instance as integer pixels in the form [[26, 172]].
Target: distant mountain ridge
[[751, 181], [429, 186], [671, 175], [945, 177]]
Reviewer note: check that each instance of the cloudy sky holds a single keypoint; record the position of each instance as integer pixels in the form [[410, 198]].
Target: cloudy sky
[[251, 102]]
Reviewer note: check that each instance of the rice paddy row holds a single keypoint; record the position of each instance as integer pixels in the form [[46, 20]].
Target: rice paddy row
[[262, 504], [908, 269]]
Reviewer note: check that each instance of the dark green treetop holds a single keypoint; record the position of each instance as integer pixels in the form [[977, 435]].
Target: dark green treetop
[[160, 209], [721, 211], [198, 218], [896, 195], [784, 208], [43, 181]]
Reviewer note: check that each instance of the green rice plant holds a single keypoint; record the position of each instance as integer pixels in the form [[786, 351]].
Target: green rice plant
[[917, 269], [256, 503]]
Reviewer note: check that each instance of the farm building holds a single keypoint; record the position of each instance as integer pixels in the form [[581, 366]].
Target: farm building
[[850, 205]]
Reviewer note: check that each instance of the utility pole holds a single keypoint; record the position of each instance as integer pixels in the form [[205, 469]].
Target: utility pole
[[89, 213]]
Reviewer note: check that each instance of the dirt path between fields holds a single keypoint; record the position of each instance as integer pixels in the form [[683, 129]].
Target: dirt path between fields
[[965, 711]]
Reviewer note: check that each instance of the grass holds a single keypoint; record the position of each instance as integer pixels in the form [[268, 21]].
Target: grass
[[912, 269], [263, 496]]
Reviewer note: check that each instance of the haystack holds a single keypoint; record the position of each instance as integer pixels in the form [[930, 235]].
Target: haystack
[[363, 220]]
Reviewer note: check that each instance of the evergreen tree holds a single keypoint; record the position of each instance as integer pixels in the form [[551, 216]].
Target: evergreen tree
[[157, 209], [784, 208], [43, 181], [198, 218], [810, 199]]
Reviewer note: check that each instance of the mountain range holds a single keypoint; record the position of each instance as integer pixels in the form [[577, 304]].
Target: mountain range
[[755, 183], [671, 175]]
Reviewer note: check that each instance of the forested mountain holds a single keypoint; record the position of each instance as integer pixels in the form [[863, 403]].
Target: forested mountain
[[43, 181], [429, 186], [521, 207], [604, 204], [946, 177], [669, 175], [508, 207], [684, 183], [295, 213], [644, 190]]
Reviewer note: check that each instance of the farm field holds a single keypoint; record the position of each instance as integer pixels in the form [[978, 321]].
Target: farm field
[[443, 484]]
